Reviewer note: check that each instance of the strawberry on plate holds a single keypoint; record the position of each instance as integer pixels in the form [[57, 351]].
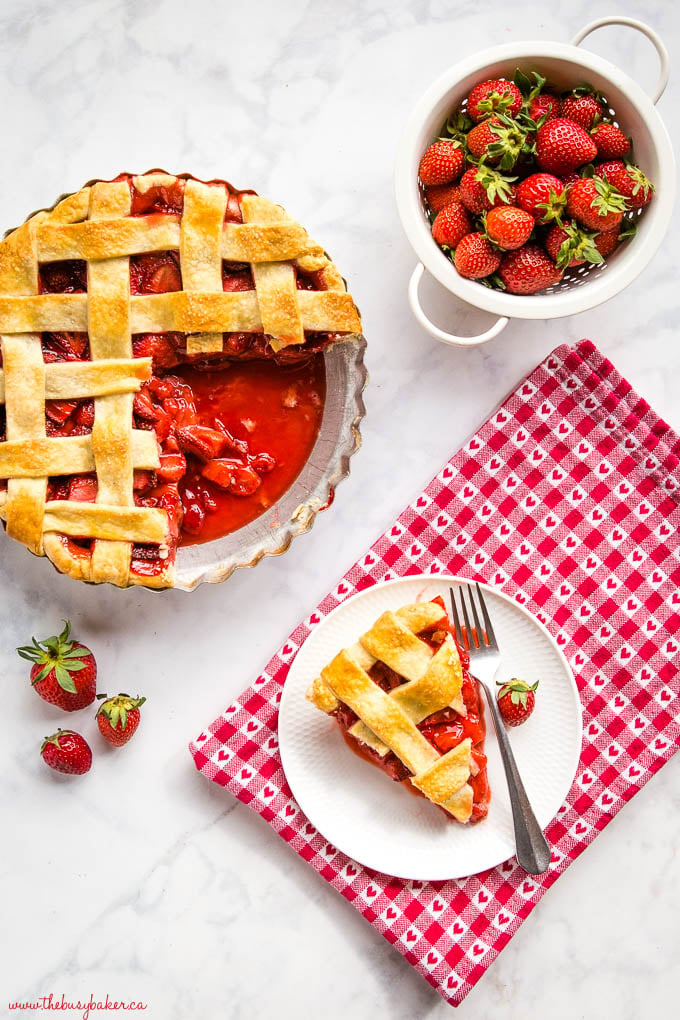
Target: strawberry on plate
[[476, 257], [451, 225], [442, 162], [497, 95], [528, 270], [64, 671], [596, 204], [509, 227], [66, 751], [118, 718], [562, 146], [516, 701]]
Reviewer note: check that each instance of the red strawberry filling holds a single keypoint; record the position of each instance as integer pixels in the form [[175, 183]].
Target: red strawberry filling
[[444, 729], [234, 428]]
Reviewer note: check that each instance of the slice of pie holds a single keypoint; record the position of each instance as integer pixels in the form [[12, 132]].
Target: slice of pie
[[161, 374], [405, 702]]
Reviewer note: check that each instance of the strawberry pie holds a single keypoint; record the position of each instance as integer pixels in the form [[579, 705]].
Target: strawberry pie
[[161, 374], [405, 702]]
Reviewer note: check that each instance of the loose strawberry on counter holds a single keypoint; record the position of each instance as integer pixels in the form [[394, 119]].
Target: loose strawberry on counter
[[64, 671], [538, 175], [516, 701], [66, 751], [118, 718]]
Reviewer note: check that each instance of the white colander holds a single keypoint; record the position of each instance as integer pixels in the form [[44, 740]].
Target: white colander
[[564, 66]]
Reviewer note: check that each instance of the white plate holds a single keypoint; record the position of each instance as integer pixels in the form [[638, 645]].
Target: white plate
[[372, 819]]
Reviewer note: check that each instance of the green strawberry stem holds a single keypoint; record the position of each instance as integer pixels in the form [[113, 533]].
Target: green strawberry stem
[[117, 709], [56, 653], [517, 689]]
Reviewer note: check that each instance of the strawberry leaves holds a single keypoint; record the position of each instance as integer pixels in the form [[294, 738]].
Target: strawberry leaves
[[117, 709], [56, 653], [518, 691]]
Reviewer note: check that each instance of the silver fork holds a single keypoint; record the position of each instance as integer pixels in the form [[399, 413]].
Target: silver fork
[[533, 852]]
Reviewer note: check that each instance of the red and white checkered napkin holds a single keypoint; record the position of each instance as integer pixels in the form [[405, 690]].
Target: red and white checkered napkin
[[568, 500]]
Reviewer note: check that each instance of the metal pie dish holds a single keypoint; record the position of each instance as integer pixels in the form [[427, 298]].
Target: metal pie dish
[[312, 491]]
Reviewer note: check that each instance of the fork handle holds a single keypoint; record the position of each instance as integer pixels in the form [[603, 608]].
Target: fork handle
[[533, 851]]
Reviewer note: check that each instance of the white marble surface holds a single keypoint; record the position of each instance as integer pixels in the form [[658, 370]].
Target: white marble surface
[[142, 880]]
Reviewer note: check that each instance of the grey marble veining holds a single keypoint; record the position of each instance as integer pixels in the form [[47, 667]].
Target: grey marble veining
[[142, 880]]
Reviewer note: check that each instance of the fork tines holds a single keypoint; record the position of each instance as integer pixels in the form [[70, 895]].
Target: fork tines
[[477, 637]]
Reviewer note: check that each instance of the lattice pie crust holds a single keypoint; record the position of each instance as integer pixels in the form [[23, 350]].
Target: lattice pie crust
[[388, 722], [96, 225]]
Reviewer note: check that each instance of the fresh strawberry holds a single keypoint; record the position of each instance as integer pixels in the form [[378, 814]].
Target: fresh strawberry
[[64, 672], [582, 108], [499, 140], [118, 718], [596, 204], [629, 180], [609, 241], [543, 196], [610, 141], [545, 106], [476, 257], [495, 96], [442, 163], [568, 245], [440, 195], [482, 188], [569, 179], [451, 225], [66, 751], [516, 701], [562, 146], [509, 227], [528, 270]]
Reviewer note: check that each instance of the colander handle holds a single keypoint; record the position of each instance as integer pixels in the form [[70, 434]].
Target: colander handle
[[435, 331], [639, 26]]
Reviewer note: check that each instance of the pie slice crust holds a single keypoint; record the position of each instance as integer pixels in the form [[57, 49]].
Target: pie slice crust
[[406, 702]]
